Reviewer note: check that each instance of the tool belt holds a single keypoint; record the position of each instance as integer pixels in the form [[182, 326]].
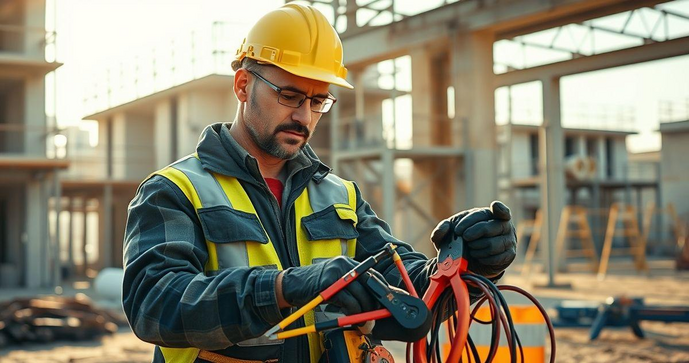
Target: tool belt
[[219, 358]]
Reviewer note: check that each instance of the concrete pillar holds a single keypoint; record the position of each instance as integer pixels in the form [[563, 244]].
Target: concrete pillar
[[335, 132], [552, 173], [422, 96], [84, 235], [163, 138], [15, 214], [472, 57], [359, 111], [34, 117], [70, 235], [389, 187], [581, 145], [34, 17], [105, 210], [33, 237], [57, 261], [602, 157]]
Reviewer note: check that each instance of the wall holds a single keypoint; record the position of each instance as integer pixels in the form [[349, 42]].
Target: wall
[[198, 109], [522, 165], [132, 144]]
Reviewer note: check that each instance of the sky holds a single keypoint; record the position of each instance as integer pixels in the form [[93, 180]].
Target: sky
[[93, 34]]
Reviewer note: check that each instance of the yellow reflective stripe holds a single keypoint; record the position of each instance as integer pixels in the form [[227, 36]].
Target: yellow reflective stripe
[[259, 254], [179, 355], [345, 212], [351, 194], [182, 181], [307, 252], [315, 339]]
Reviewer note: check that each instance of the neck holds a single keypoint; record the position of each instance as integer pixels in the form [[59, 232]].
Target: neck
[[268, 165]]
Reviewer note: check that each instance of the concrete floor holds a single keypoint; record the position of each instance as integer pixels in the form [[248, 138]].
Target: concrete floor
[[664, 342]]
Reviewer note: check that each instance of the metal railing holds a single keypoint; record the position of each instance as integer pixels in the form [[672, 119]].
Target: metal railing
[[93, 163], [17, 139], [32, 42], [196, 54], [396, 132], [673, 111]]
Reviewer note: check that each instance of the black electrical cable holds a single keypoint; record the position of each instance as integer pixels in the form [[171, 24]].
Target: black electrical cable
[[496, 299], [551, 329], [513, 339], [500, 318], [496, 318], [474, 351]]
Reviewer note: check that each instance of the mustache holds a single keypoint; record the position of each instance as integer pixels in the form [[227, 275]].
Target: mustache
[[295, 127]]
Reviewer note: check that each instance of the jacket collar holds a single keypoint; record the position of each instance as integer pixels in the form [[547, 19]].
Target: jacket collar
[[220, 153]]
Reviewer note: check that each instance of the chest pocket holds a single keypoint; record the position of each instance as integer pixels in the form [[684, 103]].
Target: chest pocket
[[238, 237], [330, 232]]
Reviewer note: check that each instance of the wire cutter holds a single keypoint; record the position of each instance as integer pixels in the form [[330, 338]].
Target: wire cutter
[[451, 264], [408, 310]]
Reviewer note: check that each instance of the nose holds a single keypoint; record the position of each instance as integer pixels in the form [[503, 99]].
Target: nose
[[303, 114]]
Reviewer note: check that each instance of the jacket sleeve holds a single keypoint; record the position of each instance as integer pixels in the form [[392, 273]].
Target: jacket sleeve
[[167, 298]]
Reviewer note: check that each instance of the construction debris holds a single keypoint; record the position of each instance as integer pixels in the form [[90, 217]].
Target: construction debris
[[51, 318]]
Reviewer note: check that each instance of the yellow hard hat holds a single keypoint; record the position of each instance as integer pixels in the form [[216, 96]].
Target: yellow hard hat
[[298, 39]]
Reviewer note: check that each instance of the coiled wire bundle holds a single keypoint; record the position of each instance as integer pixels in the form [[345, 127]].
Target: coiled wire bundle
[[501, 319]]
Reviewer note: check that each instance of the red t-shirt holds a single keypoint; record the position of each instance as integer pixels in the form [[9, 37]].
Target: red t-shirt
[[276, 187]]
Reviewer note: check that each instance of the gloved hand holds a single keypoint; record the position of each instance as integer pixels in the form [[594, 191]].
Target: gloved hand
[[489, 236], [301, 284]]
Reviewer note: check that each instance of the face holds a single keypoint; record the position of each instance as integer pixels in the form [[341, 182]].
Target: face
[[277, 130]]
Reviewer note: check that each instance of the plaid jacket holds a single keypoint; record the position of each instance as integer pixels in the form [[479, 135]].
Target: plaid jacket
[[168, 299]]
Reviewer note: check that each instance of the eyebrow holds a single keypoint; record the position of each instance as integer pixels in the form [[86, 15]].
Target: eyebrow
[[295, 89]]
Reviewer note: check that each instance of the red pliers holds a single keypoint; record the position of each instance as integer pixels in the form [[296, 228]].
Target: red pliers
[[451, 264]]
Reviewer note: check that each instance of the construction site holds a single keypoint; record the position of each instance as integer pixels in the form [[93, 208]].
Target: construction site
[[455, 104]]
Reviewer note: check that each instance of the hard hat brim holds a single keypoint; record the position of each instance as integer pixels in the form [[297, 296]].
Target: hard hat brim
[[312, 73]]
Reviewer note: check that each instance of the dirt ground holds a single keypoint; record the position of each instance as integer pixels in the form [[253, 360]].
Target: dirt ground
[[664, 342]]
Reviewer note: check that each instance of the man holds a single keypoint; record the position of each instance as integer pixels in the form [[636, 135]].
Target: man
[[223, 243]]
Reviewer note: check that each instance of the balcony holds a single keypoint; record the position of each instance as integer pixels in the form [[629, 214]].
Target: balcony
[[26, 51]]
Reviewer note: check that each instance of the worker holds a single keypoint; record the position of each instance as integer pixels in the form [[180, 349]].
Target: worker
[[222, 244]]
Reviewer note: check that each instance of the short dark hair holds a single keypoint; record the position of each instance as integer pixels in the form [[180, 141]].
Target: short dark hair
[[246, 63]]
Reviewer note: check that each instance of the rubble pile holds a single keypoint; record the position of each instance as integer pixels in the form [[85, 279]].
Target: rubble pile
[[51, 318]]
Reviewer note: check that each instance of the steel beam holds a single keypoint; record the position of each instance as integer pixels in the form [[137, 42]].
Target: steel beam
[[618, 58], [506, 18]]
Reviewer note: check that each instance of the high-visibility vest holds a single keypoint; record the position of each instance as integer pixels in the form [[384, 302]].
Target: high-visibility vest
[[331, 199]]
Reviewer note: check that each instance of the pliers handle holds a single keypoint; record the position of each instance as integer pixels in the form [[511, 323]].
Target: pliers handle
[[451, 264]]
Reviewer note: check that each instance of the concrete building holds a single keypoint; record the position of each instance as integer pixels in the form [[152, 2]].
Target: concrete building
[[448, 160], [519, 168], [28, 177], [135, 139]]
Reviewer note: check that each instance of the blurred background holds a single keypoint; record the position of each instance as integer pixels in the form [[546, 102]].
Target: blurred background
[[573, 112]]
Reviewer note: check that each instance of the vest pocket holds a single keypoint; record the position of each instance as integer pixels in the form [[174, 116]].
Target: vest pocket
[[334, 222], [222, 224], [233, 233]]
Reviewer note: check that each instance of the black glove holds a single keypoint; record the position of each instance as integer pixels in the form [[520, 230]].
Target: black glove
[[301, 284], [488, 234]]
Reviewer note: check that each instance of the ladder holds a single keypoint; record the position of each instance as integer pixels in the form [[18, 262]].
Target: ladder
[[534, 227], [630, 231], [576, 217]]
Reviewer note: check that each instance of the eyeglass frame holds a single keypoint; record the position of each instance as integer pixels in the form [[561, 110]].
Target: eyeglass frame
[[279, 91]]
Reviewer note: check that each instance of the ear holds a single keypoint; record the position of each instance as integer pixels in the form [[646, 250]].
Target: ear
[[241, 84]]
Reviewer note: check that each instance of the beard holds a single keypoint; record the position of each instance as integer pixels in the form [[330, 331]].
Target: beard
[[267, 141]]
